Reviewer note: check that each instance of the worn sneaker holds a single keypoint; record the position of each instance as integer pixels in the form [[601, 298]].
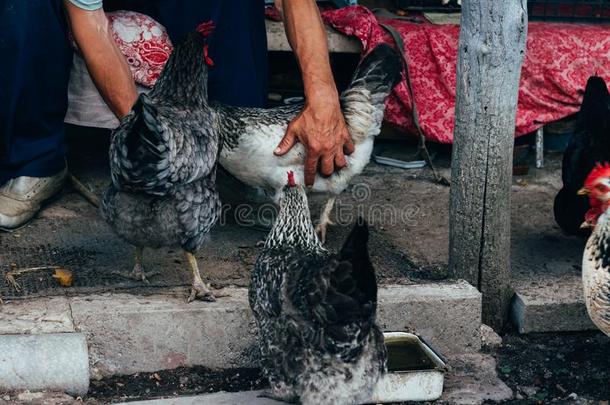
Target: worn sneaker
[[21, 198]]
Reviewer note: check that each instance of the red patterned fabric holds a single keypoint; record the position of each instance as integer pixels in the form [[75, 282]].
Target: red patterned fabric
[[559, 60], [143, 41]]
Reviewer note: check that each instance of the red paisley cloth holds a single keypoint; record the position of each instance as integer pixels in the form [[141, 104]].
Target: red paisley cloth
[[559, 60], [144, 42]]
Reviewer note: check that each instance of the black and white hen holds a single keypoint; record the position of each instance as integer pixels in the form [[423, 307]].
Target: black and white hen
[[163, 160], [316, 311], [589, 145], [251, 135]]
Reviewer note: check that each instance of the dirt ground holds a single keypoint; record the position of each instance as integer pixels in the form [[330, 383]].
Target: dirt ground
[[548, 367], [406, 210]]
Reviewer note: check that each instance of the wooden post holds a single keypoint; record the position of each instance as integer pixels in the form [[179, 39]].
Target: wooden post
[[490, 55]]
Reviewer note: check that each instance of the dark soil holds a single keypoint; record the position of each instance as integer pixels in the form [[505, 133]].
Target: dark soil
[[543, 368], [177, 382], [539, 368]]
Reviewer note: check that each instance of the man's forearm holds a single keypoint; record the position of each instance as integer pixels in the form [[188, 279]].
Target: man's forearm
[[307, 37], [320, 126], [104, 60]]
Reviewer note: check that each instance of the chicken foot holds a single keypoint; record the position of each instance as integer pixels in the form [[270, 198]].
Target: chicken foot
[[325, 219], [200, 289], [137, 273]]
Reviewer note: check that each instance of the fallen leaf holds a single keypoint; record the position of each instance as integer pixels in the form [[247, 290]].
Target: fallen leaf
[[64, 277]]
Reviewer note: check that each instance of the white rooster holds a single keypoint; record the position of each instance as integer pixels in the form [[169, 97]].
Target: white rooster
[[250, 135], [596, 259]]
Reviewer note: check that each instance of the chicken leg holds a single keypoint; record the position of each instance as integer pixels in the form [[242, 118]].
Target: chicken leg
[[137, 273], [200, 289], [325, 219]]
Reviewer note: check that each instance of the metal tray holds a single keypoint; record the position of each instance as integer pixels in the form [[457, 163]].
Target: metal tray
[[416, 372]]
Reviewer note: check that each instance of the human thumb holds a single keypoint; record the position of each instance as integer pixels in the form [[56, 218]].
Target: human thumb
[[286, 143]]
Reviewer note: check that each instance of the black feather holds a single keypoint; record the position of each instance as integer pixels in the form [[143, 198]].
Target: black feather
[[590, 144], [379, 69]]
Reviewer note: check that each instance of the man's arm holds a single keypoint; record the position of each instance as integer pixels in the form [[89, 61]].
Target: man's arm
[[104, 60], [320, 126]]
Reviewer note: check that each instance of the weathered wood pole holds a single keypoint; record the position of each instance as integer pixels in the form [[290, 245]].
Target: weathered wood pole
[[490, 55]]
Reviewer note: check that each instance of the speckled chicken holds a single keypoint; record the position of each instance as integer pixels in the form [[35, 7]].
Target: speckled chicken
[[163, 160], [251, 135], [596, 258], [316, 311]]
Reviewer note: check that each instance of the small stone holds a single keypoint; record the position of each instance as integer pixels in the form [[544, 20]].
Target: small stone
[[489, 338], [529, 391], [518, 396], [28, 396], [573, 396], [6, 398]]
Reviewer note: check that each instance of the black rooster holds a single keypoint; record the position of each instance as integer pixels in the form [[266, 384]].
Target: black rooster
[[316, 311], [589, 145], [163, 160]]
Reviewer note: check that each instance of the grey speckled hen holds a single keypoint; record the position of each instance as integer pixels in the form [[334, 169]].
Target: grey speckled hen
[[316, 311], [163, 160], [250, 135]]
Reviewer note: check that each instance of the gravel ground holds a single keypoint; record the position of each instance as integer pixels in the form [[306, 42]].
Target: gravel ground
[[544, 368]]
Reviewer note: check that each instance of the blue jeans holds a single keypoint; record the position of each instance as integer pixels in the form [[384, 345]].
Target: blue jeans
[[36, 61]]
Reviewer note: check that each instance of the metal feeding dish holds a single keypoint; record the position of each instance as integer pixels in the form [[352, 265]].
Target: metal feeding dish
[[416, 372]]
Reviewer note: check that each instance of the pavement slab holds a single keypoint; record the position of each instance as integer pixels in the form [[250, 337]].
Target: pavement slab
[[44, 315], [473, 380]]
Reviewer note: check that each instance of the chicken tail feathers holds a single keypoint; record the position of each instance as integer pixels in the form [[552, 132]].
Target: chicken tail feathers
[[595, 109], [364, 101], [379, 71], [156, 149], [340, 297], [139, 149], [355, 251]]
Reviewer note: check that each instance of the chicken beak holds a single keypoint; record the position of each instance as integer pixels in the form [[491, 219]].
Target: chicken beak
[[586, 225], [583, 191]]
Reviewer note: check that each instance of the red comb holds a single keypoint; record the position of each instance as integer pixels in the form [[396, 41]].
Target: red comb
[[291, 182], [600, 170], [205, 28]]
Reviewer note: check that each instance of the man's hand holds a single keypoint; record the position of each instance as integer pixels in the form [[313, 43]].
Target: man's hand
[[321, 129]]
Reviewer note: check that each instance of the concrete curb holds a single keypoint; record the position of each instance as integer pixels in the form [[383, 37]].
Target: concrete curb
[[129, 334], [133, 333], [54, 362], [556, 306]]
